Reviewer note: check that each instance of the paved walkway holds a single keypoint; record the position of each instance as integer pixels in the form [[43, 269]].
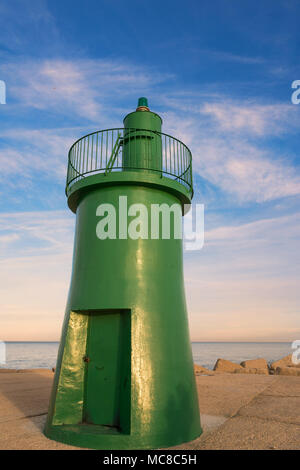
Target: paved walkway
[[237, 411]]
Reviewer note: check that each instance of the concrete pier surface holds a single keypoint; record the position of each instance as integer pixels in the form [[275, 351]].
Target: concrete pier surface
[[238, 411]]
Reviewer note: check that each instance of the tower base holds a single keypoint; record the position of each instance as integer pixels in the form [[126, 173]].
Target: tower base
[[146, 402], [105, 438]]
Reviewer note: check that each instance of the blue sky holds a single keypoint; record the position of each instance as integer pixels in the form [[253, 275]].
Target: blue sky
[[219, 73]]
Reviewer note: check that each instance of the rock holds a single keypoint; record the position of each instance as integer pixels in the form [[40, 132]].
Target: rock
[[222, 365], [295, 371], [256, 364], [251, 370], [202, 370], [284, 362]]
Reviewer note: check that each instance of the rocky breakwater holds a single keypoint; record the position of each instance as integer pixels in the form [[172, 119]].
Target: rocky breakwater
[[284, 366]]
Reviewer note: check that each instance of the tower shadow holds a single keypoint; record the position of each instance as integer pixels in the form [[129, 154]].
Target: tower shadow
[[25, 395]]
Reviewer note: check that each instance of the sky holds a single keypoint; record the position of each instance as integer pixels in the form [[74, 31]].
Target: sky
[[219, 73]]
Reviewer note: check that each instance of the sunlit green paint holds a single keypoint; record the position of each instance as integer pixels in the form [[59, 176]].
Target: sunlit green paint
[[70, 389], [124, 376], [136, 150]]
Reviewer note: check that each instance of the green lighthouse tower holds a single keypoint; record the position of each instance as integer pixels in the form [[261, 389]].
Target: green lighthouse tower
[[124, 377]]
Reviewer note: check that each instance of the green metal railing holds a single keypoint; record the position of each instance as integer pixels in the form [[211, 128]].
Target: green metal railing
[[124, 149]]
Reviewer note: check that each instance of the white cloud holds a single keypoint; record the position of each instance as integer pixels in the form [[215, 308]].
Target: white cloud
[[267, 231], [242, 59], [231, 140], [244, 284], [29, 157], [263, 247], [252, 119], [230, 57], [35, 259], [82, 89], [81, 86], [24, 234], [246, 171], [233, 149]]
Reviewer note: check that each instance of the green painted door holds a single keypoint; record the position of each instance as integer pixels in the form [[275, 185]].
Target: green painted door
[[107, 400]]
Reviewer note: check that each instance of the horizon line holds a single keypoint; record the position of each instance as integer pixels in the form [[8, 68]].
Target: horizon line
[[199, 341]]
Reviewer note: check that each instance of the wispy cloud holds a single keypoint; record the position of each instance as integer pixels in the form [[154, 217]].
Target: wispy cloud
[[34, 154], [35, 258], [222, 115], [230, 138], [81, 87], [27, 24], [244, 284], [278, 233], [42, 233], [245, 171], [253, 293], [224, 56], [80, 93], [253, 119], [233, 145]]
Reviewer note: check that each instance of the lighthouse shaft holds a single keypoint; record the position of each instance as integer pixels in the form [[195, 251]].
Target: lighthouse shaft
[[124, 376]]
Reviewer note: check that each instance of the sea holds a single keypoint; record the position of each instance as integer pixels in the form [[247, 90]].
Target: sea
[[35, 355]]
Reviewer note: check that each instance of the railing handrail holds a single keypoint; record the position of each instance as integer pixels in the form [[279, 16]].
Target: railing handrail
[[137, 129], [176, 164]]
